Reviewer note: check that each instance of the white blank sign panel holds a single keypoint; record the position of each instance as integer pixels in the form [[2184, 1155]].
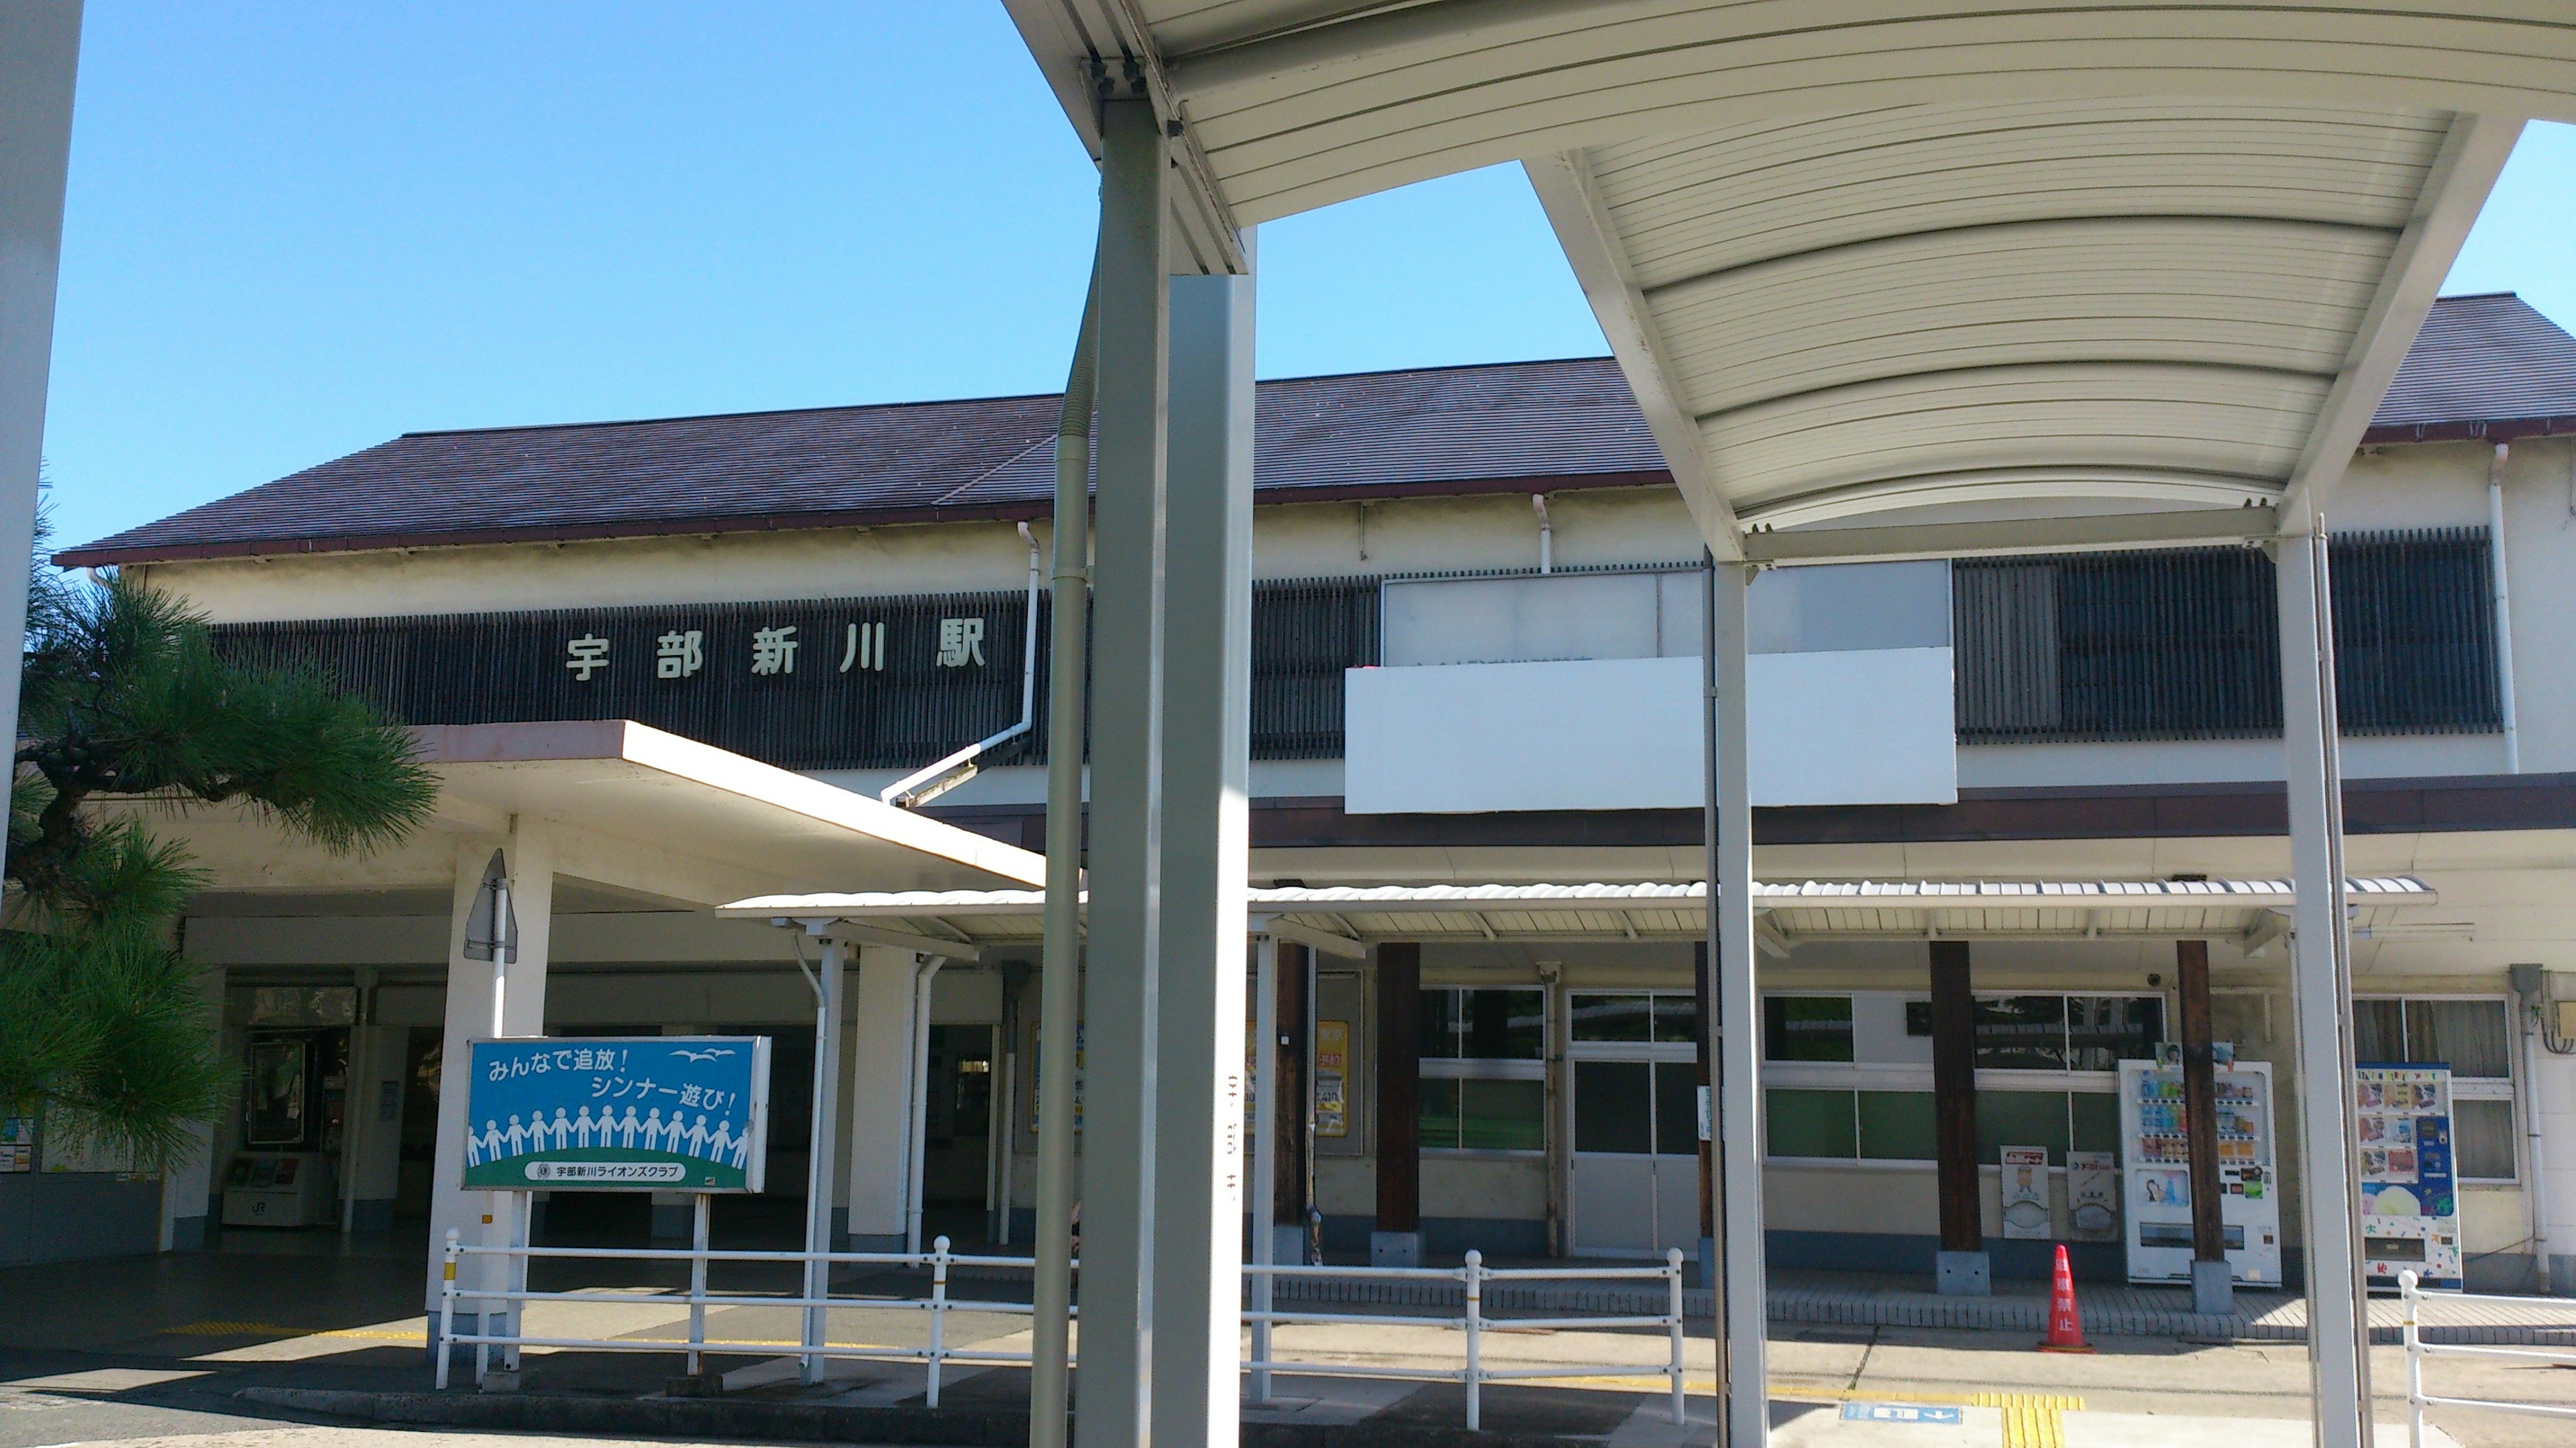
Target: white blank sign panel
[[1851, 727]]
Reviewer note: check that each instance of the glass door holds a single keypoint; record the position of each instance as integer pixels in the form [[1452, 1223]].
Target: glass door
[[1635, 1185]]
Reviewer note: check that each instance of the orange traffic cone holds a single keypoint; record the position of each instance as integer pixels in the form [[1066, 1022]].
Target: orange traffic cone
[[2065, 1324]]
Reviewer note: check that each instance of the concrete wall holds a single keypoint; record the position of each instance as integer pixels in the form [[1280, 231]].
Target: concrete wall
[[68, 1216]]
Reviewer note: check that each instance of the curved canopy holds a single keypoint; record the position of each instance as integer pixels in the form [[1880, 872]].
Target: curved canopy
[[1909, 276]]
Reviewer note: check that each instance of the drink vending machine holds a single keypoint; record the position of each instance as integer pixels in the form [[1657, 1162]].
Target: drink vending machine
[[2156, 1173]]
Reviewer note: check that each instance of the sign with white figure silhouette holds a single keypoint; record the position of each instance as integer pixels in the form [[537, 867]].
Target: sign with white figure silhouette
[[622, 1113]]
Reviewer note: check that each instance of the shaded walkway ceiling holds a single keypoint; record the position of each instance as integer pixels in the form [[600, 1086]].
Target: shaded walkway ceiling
[[2249, 912], [1910, 276]]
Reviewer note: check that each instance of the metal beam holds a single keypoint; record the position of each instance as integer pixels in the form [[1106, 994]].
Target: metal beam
[[2075, 534], [852, 933], [2148, 486], [2455, 188], [1317, 938], [1207, 745], [2321, 990], [1091, 49], [1599, 255], [39, 60], [1121, 987], [1744, 1415]]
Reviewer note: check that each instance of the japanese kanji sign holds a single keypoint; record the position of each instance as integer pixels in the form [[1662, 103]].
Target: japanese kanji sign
[[624, 1113]]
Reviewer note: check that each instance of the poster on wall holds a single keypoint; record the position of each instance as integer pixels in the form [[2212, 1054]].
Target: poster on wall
[[2410, 1199], [17, 1144], [677, 1113], [2025, 1193], [2093, 1195], [1332, 1077], [2156, 1173]]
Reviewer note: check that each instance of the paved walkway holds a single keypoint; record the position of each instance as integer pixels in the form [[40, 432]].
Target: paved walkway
[[2119, 1310]]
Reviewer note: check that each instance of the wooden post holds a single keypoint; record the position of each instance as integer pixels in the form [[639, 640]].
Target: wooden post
[[1397, 1242], [1954, 1109], [2212, 1282], [1296, 1099]]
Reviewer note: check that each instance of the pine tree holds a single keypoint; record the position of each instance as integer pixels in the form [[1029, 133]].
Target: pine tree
[[125, 698]]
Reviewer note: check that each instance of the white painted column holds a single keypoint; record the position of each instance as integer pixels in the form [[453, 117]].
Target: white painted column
[[2321, 992], [1122, 1004], [187, 1187], [39, 60], [1207, 741], [1744, 1415], [821, 1139], [470, 985], [881, 1091], [357, 1103], [2550, 1096]]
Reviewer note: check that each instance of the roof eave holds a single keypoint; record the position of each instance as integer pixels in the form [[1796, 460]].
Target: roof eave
[[1028, 510], [2496, 429]]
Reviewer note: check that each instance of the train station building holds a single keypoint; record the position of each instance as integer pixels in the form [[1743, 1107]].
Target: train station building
[[673, 669]]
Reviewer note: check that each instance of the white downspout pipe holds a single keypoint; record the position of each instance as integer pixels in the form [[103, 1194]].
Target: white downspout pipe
[[937, 778], [917, 1136], [2531, 983], [1060, 978], [1546, 534], [2503, 609]]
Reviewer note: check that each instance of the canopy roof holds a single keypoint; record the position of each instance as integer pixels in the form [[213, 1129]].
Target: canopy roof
[[1924, 278], [1344, 918]]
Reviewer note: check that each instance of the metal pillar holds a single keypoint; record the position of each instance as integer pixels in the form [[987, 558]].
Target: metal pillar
[[1122, 988], [1265, 1141], [825, 1137], [1744, 1415], [2322, 994], [39, 58], [1207, 748]]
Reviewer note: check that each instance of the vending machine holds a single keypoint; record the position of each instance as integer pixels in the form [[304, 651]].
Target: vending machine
[[2156, 1175], [2410, 1197]]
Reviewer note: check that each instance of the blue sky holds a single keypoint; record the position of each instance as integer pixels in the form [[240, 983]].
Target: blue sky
[[297, 229]]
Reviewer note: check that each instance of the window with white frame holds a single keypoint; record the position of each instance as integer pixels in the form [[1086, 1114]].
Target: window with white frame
[[1484, 1069], [2473, 1036], [1855, 1071]]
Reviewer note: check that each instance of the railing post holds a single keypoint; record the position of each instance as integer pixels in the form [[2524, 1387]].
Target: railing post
[[698, 1278], [1475, 1274], [1673, 1281], [1264, 1292], [938, 1315], [2407, 1284], [447, 1306], [483, 1317]]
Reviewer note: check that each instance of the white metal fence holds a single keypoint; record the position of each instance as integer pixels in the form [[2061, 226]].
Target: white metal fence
[[2417, 1349], [1473, 1373], [508, 1335]]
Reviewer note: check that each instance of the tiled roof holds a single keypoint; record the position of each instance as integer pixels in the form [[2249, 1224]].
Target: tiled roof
[[2480, 360], [2483, 366], [1441, 430]]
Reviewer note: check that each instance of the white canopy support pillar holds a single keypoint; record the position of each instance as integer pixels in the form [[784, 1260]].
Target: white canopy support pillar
[[823, 1138], [39, 58], [2321, 989], [1122, 1004], [1207, 743], [496, 986], [1743, 1410]]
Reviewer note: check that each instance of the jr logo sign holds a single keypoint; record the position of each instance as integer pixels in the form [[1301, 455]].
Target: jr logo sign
[[634, 1113]]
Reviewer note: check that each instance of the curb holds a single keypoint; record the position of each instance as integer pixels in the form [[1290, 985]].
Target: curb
[[717, 1418]]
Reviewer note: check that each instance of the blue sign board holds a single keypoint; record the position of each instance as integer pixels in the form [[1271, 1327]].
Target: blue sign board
[[1900, 1413], [618, 1113]]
